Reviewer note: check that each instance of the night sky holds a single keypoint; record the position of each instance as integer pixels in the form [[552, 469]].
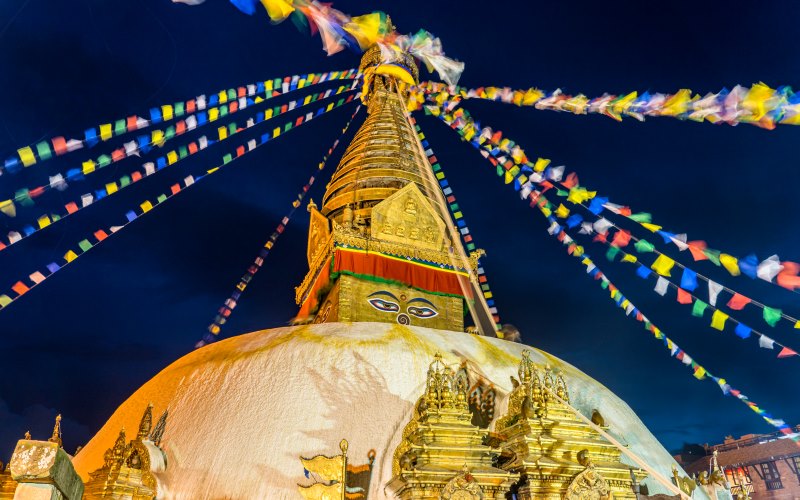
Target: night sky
[[84, 340]]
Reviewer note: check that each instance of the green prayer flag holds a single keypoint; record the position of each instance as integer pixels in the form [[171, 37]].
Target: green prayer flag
[[644, 246], [713, 256], [43, 150], [699, 308], [612, 252], [183, 152], [120, 127], [231, 128], [23, 197], [223, 110], [179, 110], [162, 198], [641, 217], [226, 159], [604, 285], [84, 245], [169, 133], [103, 161], [288, 127], [772, 315], [561, 192], [124, 181], [231, 94]]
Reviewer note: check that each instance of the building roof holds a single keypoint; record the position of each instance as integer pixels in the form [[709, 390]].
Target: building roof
[[748, 454]]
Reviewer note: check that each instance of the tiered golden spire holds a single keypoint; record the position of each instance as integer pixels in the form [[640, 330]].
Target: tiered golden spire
[[383, 157]]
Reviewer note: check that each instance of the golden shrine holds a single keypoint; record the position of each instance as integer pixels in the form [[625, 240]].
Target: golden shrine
[[384, 299]]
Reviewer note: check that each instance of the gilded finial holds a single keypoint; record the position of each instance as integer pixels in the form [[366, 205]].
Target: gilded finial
[[27, 435], [343, 446], [56, 437], [146, 423], [311, 205]]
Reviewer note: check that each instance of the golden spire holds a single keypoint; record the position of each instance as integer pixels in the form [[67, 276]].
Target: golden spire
[[56, 437], [383, 156]]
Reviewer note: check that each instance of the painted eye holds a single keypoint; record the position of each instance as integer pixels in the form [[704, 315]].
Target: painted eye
[[422, 312], [384, 305]]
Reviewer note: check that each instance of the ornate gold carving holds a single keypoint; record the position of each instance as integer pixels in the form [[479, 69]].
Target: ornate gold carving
[[127, 470], [462, 487], [407, 215], [547, 443], [318, 232], [439, 442], [687, 485]]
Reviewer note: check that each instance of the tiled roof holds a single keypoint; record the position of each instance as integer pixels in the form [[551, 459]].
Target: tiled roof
[[748, 454]]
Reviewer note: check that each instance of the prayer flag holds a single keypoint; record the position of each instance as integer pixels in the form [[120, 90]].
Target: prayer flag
[[718, 320], [663, 265], [730, 263], [661, 286], [696, 248], [713, 292], [766, 342], [786, 352], [743, 330], [20, 288], [738, 301], [70, 256], [684, 297], [689, 279], [699, 308], [644, 246], [26, 156], [772, 315]]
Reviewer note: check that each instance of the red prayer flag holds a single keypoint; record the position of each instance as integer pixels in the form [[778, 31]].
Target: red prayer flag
[[621, 239], [788, 278], [20, 287], [190, 106], [468, 238], [2, 245], [600, 237], [786, 352], [100, 235], [192, 148], [284, 108], [697, 247], [175, 188], [36, 192], [684, 297], [239, 151], [433, 159], [131, 125], [299, 121], [59, 145], [136, 176], [571, 182], [233, 107], [738, 301], [180, 127], [241, 92], [118, 154], [71, 207]]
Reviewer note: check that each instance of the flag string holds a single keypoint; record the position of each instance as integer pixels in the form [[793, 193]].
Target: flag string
[[150, 168], [59, 146], [757, 105], [700, 372], [224, 312], [33, 280], [457, 213], [524, 174]]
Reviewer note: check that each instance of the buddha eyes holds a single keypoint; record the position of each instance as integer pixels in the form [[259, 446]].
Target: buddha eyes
[[422, 312], [384, 305]]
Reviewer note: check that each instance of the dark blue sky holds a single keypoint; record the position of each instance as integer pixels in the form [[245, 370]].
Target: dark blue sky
[[88, 337]]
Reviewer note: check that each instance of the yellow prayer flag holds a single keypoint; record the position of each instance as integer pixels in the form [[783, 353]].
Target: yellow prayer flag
[[562, 211], [365, 29], [259, 99], [26, 156], [223, 97], [278, 10], [43, 221], [111, 188], [213, 114], [700, 373], [105, 131], [541, 164], [730, 263], [157, 138], [88, 167], [172, 157], [663, 265], [677, 104], [8, 208], [622, 104], [166, 112], [624, 304], [718, 320], [223, 133], [797, 325], [651, 227], [146, 206], [757, 100], [488, 295], [546, 211], [276, 132], [70, 256], [629, 258], [326, 468]]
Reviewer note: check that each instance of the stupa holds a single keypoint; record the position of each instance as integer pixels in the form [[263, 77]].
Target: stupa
[[385, 296]]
